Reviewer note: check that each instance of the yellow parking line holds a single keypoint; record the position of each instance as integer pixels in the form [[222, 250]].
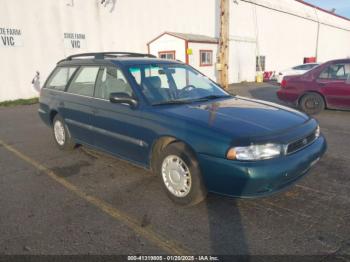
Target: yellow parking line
[[164, 243]]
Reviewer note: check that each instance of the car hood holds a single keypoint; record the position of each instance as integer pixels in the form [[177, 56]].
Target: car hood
[[238, 116]]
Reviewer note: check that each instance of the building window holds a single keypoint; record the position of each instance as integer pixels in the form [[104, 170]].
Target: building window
[[167, 55], [206, 57], [260, 63]]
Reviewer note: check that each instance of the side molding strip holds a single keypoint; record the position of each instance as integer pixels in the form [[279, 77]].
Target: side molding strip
[[129, 139]]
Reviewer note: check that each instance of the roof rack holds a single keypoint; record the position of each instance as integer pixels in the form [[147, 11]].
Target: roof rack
[[103, 55]]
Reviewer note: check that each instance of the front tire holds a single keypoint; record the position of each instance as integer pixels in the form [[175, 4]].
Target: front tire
[[312, 103], [61, 134], [180, 175]]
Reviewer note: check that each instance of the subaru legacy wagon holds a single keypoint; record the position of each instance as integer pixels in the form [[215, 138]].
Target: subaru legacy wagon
[[166, 116]]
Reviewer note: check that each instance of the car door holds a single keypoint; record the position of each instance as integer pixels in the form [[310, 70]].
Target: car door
[[334, 83], [77, 104], [119, 129]]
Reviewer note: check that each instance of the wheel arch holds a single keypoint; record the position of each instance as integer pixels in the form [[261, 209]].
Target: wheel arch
[[160, 143], [52, 115], [312, 92]]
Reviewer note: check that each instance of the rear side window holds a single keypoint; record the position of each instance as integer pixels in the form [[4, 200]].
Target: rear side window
[[336, 72], [60, 78], [83, 82]]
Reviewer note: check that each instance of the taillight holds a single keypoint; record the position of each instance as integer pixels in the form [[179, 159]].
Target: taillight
[[284, 83]]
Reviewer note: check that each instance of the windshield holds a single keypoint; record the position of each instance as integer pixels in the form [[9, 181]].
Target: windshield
[[174, 83]]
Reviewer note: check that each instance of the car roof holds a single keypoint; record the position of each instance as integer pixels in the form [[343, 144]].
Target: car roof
[[345, 60], [306, 64], [110, 58], [134, 60]]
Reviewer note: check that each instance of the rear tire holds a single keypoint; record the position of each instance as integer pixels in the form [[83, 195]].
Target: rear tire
[[61, 134], [180, 175], [312, 103]]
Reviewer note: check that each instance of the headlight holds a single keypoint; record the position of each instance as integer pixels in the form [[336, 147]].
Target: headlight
[[255, 152]]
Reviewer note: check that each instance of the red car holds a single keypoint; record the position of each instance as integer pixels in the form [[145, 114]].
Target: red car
[[325, 86]]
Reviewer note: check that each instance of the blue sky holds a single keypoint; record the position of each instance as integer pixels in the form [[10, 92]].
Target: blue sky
[[342, 6]]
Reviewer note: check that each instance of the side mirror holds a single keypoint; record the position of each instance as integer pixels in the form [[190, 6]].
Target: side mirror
[[122, 98]]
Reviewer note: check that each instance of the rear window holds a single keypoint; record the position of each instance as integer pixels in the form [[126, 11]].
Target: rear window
[[60, 78], [305, 67]]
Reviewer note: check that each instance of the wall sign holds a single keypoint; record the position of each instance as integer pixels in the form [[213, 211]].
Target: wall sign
[[10, 37], [74, 40]]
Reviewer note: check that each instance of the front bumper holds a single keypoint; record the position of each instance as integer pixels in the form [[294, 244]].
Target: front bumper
[[259, 178]]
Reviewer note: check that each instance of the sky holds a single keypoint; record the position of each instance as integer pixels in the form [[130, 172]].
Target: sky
[[342, 6]]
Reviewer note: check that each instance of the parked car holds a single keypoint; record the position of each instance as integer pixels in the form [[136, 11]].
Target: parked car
[[166, 116], [326, 86], [296, 70]]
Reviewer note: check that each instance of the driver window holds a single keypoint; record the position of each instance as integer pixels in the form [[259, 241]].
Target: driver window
[[184, 78], [111, 80], [157, 77], [153, 82], [181, 78]]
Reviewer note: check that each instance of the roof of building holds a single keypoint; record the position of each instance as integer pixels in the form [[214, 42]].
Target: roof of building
[[323, 10], [196, 38], [305, 10]]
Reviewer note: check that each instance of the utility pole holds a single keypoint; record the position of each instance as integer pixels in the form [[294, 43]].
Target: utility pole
[[223, 57], [318, 34]]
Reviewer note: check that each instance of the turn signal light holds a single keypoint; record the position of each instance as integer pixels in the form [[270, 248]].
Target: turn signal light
[[231, 154]]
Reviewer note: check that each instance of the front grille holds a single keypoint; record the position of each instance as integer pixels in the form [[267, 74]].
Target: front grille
[[301, 143]]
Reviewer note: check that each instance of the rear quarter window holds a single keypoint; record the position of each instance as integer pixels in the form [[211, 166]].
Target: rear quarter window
[[60, 77]]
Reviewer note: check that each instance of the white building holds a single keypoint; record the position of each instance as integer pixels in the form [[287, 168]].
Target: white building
[[35, 34], [197, 50]]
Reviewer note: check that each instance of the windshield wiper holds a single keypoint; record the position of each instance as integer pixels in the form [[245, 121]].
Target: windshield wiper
[[173, 102], [180, 102], [206, 98]]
